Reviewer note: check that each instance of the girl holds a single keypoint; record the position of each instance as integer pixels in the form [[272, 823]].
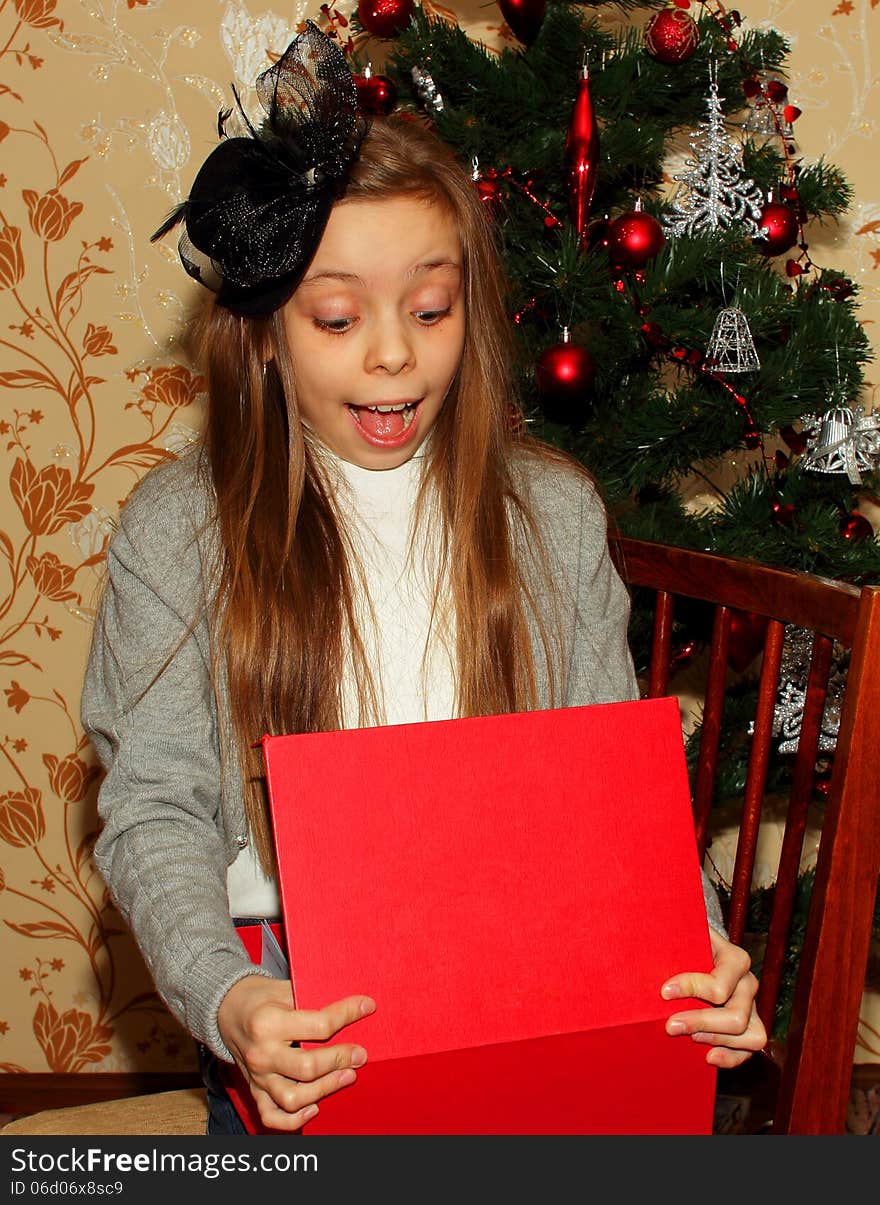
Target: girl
[[361, 538]]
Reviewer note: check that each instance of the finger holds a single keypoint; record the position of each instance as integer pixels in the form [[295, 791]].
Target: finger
[[276, 1119], [292, 1096], [275, 1047], [733, 1051], [319, 1025], [722, 1056], [752, 1038], [306, 1066], [733, 1017], [717, 987]]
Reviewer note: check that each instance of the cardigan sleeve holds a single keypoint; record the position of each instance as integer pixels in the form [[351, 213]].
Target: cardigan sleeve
[[148, 705]]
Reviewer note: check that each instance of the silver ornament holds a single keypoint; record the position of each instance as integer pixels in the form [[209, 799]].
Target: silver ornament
[[719, 194], [766, 115], [766, 118], [761, 119], [731, 347], [844, 440], [427, 90], [788, 715]]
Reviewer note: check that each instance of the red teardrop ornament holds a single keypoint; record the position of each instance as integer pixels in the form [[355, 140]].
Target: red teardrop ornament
[[582, 156]]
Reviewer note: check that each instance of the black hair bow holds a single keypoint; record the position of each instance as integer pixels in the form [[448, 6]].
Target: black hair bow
[[259, 204]]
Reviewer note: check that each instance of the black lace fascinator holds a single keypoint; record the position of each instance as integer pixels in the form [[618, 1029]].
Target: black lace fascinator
[[259, 204]]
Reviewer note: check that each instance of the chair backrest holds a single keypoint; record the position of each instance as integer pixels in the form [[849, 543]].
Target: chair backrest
[[817, 1057]]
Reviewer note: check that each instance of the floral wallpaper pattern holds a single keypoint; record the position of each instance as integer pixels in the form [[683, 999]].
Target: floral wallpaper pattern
[[106, 110]]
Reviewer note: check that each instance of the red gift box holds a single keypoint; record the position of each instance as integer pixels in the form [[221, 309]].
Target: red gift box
[[512, 891]]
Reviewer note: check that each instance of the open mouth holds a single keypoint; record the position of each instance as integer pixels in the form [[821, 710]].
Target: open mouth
[[385, 425]]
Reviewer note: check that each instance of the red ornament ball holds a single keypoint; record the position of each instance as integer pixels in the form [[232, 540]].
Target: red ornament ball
[[671, 36], [377, 94], [385, 18], [490, 193], [784, 513], [778, 226], [747, 632], [564, 374], [525, 17], [856, 527], [597, 233], [634, 238]]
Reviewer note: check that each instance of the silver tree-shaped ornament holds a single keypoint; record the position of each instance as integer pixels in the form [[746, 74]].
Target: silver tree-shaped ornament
[[718, 194]]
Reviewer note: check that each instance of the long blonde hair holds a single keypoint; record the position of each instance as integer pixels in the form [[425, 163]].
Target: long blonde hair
[[286, 602]]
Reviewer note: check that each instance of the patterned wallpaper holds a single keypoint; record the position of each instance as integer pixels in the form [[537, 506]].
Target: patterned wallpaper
[[107, 107]]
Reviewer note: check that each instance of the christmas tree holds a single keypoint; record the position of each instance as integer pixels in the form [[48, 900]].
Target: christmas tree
[[618, 294], [654, 211]]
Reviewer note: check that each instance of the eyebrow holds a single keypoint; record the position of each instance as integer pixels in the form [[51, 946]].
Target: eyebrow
[[352, 278]]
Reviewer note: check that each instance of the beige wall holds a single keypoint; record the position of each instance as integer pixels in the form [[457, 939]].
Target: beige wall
[[106, 110]]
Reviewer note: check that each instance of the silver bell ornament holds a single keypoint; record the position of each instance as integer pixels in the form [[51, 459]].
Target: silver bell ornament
[[768, 93], [731, 347], [844, 440]]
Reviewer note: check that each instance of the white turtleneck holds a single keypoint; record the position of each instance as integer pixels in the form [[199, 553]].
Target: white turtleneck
[[378, 506]]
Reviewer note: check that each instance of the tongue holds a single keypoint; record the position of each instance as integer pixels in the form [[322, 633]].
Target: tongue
[[381, 426]]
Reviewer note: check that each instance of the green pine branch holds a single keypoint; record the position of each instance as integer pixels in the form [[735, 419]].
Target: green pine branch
[[654, 416]]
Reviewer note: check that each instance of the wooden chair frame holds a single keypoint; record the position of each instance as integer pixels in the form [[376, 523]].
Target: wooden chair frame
[[816, 1062]]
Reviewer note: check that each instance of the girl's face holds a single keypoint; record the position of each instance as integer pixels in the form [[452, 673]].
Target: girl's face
[[376, 329]]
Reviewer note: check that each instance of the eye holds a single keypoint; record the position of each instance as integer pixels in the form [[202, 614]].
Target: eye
[[334, 326], [432, 317]]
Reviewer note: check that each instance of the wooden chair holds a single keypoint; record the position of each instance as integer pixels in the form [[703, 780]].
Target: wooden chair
[[816, 1063], [811, 1091]]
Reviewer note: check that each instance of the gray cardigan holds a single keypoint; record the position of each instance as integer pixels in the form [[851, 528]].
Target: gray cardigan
[[172, 809]]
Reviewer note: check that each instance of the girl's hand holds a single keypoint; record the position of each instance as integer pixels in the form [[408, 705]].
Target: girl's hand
[[258, 1023], [732, 1028]]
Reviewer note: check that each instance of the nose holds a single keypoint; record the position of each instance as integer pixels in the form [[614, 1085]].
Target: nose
[[391, 348]]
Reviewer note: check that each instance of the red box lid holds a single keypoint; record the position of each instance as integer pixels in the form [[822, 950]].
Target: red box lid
[[492, 881]]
